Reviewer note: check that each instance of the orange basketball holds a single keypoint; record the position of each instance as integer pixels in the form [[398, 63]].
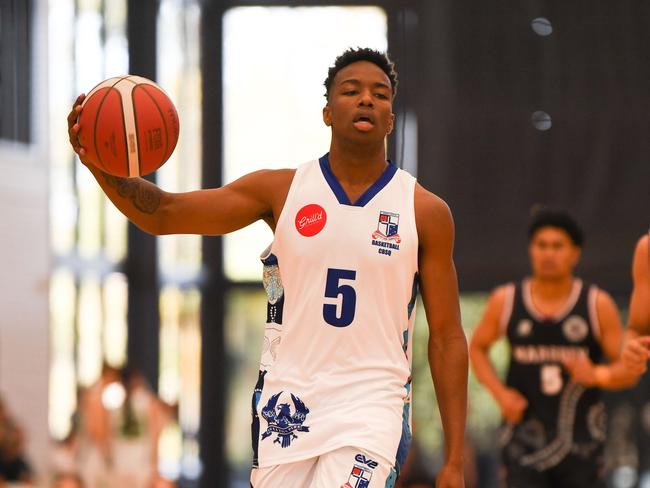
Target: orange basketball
[[128, 126]]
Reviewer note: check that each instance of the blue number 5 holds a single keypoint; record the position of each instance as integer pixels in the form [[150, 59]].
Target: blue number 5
[[348, 297]]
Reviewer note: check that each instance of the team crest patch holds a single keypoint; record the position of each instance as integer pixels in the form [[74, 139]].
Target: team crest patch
[[282, 421], [386, 237], [575, 328], [359, 477], [310, 220], [524, 327]]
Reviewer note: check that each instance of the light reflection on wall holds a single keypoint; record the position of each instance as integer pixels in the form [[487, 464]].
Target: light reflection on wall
[[89, 330], [114, 338], [87, 234], [62, 372], [179, 256]]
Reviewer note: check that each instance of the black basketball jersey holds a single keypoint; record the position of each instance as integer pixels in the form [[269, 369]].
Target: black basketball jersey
[[562, 416]]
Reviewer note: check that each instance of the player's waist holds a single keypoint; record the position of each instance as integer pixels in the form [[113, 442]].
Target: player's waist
[[324, 397], [373, 373], [376, 425]]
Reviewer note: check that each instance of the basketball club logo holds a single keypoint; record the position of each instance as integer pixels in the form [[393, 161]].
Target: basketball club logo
[[282, 422], [386, 236], [310, 220], [359, 477], [524, 327], [575, 328]]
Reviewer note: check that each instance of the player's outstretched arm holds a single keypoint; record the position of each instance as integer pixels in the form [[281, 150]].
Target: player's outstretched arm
[[636, 349], [639, 318], [258, 195], [490, 329], [447, 343]]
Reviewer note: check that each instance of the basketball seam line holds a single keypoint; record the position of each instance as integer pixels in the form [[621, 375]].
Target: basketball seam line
[[162, 117], [137, 130], [124, 131], [99, 109], [102, 82]]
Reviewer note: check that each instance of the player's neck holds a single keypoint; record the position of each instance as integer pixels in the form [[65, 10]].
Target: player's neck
[[549, 290], [357, 165]]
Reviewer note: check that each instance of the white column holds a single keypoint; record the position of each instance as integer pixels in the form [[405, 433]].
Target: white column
[[25, 264]]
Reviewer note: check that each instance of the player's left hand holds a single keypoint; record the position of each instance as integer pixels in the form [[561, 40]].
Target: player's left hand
[[450, 476], [581, 370], [635, 355]]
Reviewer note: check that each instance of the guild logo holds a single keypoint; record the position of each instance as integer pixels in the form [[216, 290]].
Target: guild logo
[[575, 328], [310, 220]]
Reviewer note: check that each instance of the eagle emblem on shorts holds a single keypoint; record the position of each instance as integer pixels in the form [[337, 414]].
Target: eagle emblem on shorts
[[282, 421]]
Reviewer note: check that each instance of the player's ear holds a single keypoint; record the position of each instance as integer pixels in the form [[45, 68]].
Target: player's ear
[[577, 253], [391, 124], [327, 115]]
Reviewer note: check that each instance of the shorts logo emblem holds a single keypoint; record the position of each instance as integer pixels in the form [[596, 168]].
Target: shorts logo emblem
[[282, 422]]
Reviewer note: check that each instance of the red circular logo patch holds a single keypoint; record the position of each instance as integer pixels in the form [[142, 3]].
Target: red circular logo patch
[[310, 220]]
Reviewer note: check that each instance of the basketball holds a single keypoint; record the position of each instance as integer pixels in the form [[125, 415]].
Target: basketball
[[128, 126]]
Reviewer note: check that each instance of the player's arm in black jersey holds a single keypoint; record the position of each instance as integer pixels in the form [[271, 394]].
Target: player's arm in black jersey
[[616, 374], [447, 343], [256, 196], [489, 330]]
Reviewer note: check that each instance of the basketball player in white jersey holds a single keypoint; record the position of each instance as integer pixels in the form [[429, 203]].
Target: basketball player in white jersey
[[559, 329], [353, 239]]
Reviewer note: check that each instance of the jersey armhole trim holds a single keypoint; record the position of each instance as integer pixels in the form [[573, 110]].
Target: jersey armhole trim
[[592, 301], [412, 182], [508, 304], [290, 194]]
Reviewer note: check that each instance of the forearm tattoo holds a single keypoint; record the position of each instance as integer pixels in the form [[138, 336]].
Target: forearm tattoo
[[145, 198]]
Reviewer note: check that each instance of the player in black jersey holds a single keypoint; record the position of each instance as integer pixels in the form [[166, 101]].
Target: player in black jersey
[[559, 329]]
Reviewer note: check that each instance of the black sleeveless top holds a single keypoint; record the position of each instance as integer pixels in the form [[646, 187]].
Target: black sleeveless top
[[562, 416]]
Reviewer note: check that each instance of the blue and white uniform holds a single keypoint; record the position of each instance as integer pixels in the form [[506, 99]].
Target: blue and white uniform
[[336, 363]]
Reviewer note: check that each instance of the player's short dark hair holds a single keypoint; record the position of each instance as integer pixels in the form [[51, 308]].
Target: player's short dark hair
[[547, 217], [362, 54]]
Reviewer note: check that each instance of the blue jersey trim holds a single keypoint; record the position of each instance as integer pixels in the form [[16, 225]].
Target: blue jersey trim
[[270, 260], [405, 440], [368, 195]]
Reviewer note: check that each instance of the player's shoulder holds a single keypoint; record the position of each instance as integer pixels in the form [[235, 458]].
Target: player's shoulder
[[502, 293], [271, 179], [284, 174], [641, 260], [431, 212], [604, 298], [427, 201], [642, 245]]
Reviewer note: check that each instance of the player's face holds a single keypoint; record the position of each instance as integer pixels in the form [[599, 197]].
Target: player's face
[[553, 255], [360, 104]]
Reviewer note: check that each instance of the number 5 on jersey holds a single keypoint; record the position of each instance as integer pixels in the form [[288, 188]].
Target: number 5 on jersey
[[334, 288]]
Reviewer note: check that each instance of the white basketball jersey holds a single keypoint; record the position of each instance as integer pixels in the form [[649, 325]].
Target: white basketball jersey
[[341, 281]]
